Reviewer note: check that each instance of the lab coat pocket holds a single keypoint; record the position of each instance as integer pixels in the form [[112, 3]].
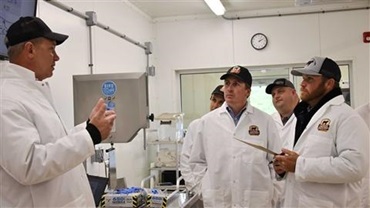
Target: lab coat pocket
[[308, 202], [213, 198], [318, 146], [257, 199]]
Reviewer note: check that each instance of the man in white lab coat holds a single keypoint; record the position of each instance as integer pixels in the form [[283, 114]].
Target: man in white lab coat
[[234, 174], [216, 100], [364, 112], [41, 162], [331, 150], [284, 99]]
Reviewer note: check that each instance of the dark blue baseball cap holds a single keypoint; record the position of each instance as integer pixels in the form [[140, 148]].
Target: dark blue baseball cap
[[28, 28]]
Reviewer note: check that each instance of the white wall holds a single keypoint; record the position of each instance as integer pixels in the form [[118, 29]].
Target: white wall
[[215, 43], [111, 54]]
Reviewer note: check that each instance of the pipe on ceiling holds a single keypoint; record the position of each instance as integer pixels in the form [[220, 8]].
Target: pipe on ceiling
[[295, 13]]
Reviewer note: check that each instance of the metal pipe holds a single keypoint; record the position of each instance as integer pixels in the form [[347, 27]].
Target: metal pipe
[[142, 183], [68, 9], [123, 36], [85, 17], [178, 182], [173, 194], [91, 65], [294, 13]]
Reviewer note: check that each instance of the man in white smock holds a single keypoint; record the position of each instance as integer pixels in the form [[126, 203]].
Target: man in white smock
[[331, 146], [284, 99], [41, 162], [234, 174], [216, 100], [364, 112]]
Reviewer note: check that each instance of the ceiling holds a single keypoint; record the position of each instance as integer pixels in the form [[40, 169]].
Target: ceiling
[[173, 8]]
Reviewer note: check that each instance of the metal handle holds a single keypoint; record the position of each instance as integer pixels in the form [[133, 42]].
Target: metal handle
[[146, 179]]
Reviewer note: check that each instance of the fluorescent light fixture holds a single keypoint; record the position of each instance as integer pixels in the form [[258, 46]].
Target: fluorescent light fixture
[[216, 6]]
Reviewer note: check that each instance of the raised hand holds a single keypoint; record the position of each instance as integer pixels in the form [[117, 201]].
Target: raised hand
[[102, 119]]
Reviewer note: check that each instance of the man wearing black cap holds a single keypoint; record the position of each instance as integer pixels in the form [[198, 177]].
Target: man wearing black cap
[[234, 174], [284, 99], [216, 100], [331, 151], [41, 162]]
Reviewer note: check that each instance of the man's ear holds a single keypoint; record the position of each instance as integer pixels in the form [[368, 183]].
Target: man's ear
[[330, 83], [29, 48]]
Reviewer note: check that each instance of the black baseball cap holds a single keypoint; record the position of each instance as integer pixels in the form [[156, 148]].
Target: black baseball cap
[[282, 82], [320, 66], [218, 91], [28, 28], [239, 72]]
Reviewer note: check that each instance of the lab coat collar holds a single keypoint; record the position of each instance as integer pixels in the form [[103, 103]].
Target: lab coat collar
[[249, 109], [14, 71], [223, 108]]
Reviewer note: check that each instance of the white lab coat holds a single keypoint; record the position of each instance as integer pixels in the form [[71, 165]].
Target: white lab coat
[[287, 137], [332, 160], [234, 174], [185, 169], [285, 131], [40, 164], [364, 112]]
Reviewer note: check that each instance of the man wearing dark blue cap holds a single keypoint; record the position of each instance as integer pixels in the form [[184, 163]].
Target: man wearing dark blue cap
[[330, 153], [41, 162], [234, 174]]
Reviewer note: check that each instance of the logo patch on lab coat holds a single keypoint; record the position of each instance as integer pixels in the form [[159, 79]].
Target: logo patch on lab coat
[[253, 130], [324, 125]]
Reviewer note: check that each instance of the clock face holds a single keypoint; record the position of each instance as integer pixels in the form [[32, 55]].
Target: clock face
[[259, 41]]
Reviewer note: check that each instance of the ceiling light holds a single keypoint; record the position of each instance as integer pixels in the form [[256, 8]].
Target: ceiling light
[[216, 6]]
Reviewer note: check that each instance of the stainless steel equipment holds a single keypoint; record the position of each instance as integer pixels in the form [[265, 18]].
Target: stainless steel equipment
[[126, 93]]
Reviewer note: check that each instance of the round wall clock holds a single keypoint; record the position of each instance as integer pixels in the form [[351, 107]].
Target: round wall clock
[[259, 41]]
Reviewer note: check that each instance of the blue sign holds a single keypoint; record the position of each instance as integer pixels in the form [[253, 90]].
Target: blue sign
[[109, 88], [110, 105]]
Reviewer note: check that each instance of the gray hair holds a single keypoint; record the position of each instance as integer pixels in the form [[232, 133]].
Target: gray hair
[[15, 50]]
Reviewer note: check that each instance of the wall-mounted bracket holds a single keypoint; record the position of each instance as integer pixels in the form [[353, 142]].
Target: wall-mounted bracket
[[92, 18], [148, 48]]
